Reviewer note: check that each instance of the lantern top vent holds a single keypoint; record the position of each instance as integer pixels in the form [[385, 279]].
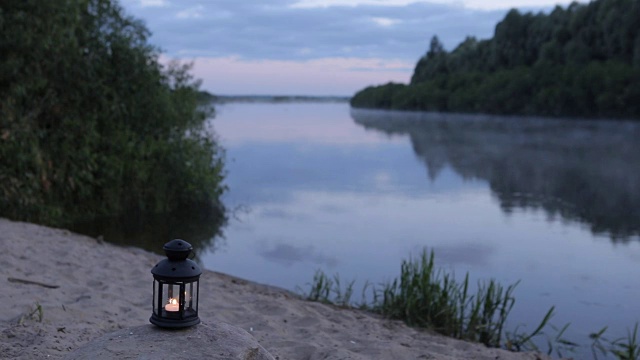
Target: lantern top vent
[[177, 266], [177, 250]]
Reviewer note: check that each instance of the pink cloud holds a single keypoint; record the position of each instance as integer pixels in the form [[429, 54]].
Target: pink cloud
[[326, 76]]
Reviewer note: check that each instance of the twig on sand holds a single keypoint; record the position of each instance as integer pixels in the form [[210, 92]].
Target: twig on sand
[[31, 282]]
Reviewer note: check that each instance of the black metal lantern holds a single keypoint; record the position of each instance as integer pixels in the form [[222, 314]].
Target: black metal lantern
[[176, 287]]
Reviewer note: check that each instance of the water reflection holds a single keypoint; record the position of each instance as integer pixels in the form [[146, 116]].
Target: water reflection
[[582, 171], [200, 226], [287, 254], [325, 192], [315, 190], [474, 254]]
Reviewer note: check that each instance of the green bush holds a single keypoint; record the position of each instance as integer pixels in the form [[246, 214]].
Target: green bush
[[90, 122]]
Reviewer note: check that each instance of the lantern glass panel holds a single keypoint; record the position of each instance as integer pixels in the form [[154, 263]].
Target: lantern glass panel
[[167, 299], [192, 298], [156, 289]]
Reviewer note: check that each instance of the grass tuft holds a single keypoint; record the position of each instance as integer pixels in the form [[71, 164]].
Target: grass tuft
[[428, 297]]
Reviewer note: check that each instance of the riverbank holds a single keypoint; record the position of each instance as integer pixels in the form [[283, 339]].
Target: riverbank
[[61, 290]]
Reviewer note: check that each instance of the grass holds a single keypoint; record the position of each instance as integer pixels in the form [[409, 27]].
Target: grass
[[425, 296], [428, 297], [31, 315], [329, 290], [622, 348]]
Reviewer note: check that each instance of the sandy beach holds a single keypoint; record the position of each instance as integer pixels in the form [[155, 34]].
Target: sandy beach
[[60, 290]]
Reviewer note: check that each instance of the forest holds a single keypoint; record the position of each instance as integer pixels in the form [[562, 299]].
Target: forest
[[91, 123], [582, 60]]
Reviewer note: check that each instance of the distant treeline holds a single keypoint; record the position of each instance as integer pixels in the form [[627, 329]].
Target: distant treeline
[[207, 97], [582, 61], [90, 122]]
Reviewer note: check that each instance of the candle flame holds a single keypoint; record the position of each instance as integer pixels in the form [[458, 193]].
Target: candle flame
[[173, 301]]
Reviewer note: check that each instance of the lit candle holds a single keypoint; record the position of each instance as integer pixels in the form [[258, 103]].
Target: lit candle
[[172, 305]]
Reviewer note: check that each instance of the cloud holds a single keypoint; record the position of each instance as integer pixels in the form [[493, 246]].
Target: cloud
[[520, 4], [191, 13], [385, 22], [277, 30], [473, 4], [324, 76], [147, 3], [312, 47], [309, 4]]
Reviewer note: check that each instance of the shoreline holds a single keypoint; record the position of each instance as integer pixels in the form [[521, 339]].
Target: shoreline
[[62, 290]]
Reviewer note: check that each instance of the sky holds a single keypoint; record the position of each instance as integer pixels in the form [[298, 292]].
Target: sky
[[312, 47]]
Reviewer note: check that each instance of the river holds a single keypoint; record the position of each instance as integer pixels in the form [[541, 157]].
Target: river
[[554, 204]]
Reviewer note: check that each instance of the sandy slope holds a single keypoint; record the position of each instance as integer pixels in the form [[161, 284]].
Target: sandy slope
[[102, 288]]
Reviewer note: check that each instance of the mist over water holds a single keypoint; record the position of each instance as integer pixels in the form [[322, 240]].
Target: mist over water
[[575, 170], [552, 203]]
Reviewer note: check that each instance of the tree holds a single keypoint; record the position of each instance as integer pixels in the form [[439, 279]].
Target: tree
[[436, 48], [90, 122], [432, 63], [577, 61]]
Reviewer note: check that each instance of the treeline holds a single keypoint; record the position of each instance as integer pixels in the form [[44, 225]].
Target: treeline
[[582, 60], [90, 122]]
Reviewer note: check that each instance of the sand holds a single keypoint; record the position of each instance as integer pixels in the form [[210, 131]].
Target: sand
[[83, 288]]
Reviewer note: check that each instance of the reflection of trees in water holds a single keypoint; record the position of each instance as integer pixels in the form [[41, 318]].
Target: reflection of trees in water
[[200, 226], [585, 171]]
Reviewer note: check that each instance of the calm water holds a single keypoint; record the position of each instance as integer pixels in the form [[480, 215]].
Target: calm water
[[553, 203]]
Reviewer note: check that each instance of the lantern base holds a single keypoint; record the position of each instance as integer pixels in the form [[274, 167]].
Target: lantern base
[[173, 323]]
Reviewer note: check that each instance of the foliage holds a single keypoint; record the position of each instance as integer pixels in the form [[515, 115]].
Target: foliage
[[622, 349], [323, 287], [580, 61], [428, 297], [425, 296], [31, 314], [205, 97], [518, 341], [90, 122]]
